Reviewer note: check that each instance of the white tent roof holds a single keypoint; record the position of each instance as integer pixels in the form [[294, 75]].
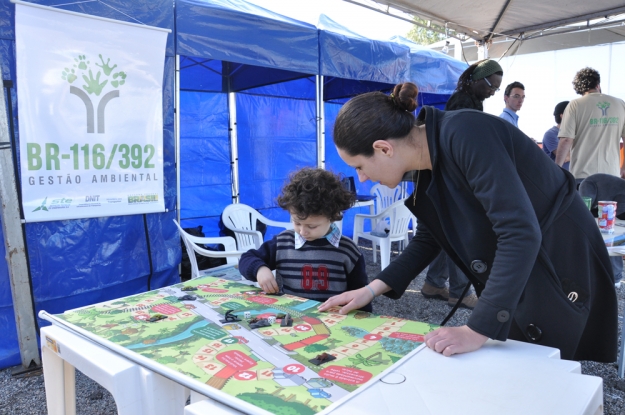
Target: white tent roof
[[514, 27], [486, 19]]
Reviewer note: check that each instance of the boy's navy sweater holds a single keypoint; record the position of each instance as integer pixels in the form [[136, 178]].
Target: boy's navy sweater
[[316, 271]]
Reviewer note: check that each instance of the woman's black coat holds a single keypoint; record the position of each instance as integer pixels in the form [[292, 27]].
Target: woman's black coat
[[512, 221]]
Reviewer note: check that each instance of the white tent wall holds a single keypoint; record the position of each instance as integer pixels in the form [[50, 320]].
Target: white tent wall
[[548, 76]]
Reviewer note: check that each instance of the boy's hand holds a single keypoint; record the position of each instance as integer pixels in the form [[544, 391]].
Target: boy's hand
[[267, 281]]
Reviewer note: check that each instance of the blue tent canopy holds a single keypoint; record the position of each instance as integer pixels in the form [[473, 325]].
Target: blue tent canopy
[[352, 64], [219, 30], [435, 73], [345, 54]]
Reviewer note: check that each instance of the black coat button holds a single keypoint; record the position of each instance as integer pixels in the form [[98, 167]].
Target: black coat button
[[534, 332], [479, 266], [503, 316]]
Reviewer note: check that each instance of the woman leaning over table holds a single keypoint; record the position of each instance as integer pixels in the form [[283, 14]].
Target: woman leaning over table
[[503, 211]]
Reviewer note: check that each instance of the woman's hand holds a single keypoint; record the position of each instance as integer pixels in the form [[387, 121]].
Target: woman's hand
[[454, 340], [351, 300], [267, 281]]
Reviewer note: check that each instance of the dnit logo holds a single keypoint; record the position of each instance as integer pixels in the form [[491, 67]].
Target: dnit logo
[[94, 85], [603, 106]]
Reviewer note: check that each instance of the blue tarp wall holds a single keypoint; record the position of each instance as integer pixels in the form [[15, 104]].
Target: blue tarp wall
[[74, 263]]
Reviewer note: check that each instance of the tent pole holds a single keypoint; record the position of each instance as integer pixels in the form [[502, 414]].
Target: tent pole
[[482, 50], [177, 133], [321, 130], [234, 147], [16, 249]]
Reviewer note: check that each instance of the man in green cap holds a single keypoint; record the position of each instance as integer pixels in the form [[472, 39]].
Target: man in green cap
[[478, 82]]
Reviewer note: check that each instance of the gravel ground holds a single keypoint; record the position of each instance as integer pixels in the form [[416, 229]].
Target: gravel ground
[[27, 396]]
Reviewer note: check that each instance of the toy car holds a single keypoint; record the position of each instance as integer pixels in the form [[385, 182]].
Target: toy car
[[156, 317]]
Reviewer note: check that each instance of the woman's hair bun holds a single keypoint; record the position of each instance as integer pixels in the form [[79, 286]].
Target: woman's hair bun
[[404, 96]]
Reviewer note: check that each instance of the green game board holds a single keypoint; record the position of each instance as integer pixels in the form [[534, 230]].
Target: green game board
[[269, 367]]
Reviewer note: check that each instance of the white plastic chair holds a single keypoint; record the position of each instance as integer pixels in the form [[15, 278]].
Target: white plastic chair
[[398, 217], [385, 196], [190, 242], [242, 220]]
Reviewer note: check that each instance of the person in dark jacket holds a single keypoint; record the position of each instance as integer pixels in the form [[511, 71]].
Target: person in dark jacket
[[507, 216], [477, 83]]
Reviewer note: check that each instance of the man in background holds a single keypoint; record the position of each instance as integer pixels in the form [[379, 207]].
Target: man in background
[[513, 96], [591, 130], [550, 139]]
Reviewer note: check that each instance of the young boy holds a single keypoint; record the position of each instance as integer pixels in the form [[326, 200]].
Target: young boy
[[314, 260]]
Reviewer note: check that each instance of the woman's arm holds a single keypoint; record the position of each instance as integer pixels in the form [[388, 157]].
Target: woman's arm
[[355, 299], [395, 278]]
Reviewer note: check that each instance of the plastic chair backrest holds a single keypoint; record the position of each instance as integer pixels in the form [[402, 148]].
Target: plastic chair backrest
[[242, 220], [385, 196], [231, 254], [399, 216], [240, 216]]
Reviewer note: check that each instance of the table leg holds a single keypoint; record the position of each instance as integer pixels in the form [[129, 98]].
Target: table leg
[[165, 397], [60, 382], [621, 351], [69, 375]]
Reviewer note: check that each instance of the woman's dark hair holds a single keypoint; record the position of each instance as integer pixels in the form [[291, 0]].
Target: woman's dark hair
[[375, 116], [315, 192], [559, 109], [586, 79]]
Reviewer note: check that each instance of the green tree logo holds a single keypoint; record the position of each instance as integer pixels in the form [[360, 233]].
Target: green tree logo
[[94, 85], [603, 106]]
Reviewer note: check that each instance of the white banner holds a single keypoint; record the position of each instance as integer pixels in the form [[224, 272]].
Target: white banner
[[90, 115]]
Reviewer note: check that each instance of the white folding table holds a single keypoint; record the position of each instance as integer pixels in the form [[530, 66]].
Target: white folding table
[[501, 378]]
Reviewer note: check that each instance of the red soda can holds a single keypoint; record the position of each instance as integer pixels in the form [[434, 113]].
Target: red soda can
[[606, 216]]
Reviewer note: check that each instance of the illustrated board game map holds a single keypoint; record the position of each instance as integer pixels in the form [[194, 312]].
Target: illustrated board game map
[[276, 352]]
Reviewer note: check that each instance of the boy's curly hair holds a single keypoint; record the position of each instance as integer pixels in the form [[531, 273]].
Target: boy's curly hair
[[586, 79], [315, 192]]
